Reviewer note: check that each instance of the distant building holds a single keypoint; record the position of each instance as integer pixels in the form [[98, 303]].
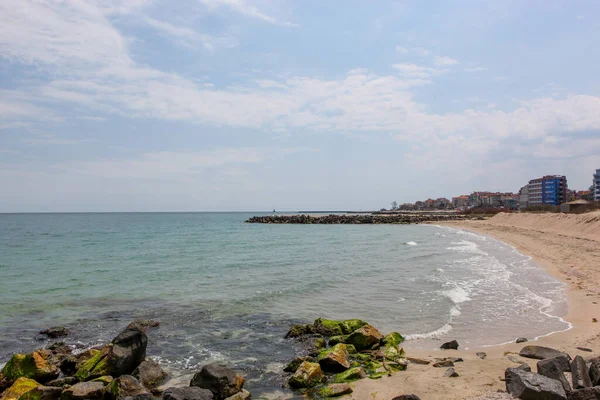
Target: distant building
[[596, 185], [524, 197], [460, 202], [549, 189]]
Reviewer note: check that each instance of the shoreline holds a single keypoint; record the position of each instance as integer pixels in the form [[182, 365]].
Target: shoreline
[[568, 256]]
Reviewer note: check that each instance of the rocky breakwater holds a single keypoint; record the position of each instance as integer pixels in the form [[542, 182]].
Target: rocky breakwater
[[118, 370], [355, 219]]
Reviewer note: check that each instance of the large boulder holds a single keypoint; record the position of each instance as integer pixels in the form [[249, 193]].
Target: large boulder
[[331, 327], [392, 339], [36, 366], [126, 386], [580, 373], [187, 393], [43, 393], [307, 375], [550, 368], [84, 391], [529, 386], [219, 379], [591, 393], [121, 357], [365, 338], [149, 373], [595, 372], [562, 363], [19, 387], [334, 359], [541, 352]]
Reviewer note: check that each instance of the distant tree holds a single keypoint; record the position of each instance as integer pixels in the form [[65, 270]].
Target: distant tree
[[394, 205]]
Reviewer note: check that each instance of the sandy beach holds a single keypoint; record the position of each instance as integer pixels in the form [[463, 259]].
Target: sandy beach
[[568, 247]]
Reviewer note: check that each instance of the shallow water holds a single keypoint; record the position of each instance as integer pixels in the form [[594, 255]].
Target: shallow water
[[228, 291]]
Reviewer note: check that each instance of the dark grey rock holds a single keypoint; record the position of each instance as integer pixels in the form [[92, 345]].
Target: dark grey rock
[[529, 386], [126, 386], [521, 340], [443, 364], [549, 367], [595, 372], [149, 373], [541, 352], [580, 373], [592, 393], [407, 397], [584, 349], [43, 393], [84, 391], [62, 382], [128, 351], [453, 345], [222, 381], [524, 367], [187, 393], [55, 332], [451, 373], [481, 355], [562, 362], [143, 324]]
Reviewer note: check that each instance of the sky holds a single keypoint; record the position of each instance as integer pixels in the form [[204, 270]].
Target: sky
[[232, 105]]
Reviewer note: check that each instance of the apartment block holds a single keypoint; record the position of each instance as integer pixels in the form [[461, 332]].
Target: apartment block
[[549, 189]]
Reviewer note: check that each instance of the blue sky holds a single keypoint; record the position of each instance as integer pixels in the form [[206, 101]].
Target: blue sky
[[150, 105]]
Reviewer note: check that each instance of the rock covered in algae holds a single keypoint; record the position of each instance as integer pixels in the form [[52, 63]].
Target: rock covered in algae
[[365, 338], [20, 386], [307, 375], [334, 359], [35, 365]]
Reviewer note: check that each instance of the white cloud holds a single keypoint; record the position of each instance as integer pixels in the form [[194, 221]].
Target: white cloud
[[189, 37], [401, 50], [245, 8], [476, 69], [443, 61], [415, 71]]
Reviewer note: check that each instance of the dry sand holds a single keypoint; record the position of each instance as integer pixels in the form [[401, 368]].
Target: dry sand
[[568, 247]]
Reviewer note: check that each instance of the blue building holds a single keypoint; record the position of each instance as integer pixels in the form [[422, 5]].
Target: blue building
[[596, 193], [550, 189]]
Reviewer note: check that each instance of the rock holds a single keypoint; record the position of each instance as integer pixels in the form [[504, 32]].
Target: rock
[[84, 391], [121, 357], [584, 349], [515, 359], [68, 365], [541, 352], [62, 382], [334, 359], [443, 364], [149, 373], [420, 361], [595, 372], [55, 332], [521, 340], [19, 387], [337, 339], [106, 380], [43, 393], [481, 355], [365, 338], [243, 395], [335, 390], [36, 366], [350, 375], [351, 349], [455, 359], [592, 393], [307, 375], [187, 393], [453, 345], [562, 362], [328, 327], [143, 324], [400, 365], [294, 364], [527, 385], [126, 386], [549, 367], [128, 351], [392, 339], [407, 397], [299, 330], [350, 325], [220, 380], [524, 367], [580, 373], [451, 373]]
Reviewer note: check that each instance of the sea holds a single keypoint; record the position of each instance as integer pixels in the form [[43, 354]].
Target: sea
[[227, 291]]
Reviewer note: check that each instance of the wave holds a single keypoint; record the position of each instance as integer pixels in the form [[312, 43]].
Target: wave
[[457, 294], [411, 243], [431, 335], [465, 246]]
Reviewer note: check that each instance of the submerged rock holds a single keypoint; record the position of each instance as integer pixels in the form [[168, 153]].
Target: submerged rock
[[187, 393], [452, 345], [19, 387], [527, 385], [143, 324], [365, 338], [307, 375], [83, 391], [541, 352], [55, 332], [222, 381], [334, 359], [149, 373]]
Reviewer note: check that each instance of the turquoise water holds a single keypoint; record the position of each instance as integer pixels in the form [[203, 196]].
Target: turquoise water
[[228, 291]]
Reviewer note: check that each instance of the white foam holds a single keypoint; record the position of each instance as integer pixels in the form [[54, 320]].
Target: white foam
[[431, 335], [411, 243], [457, 294], [455, 311], [464, 246]]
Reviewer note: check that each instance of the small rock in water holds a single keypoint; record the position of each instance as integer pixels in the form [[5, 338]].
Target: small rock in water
[[143, 324], [55, 332], [481, 355], [584, 349], [521, 340], [451, 373], [453, 345]]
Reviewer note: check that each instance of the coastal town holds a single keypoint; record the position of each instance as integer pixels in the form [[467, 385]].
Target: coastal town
[[544, 192]]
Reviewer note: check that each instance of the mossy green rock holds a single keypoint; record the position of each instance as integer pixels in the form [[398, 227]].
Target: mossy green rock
[[319, 343], [351, 349], [124, 386], [299, 330], [42, 393], [398, 366], [335, 390], [377, 375], [365, 338], [96, 366], [363, 357], [350, 325], [33, 365], [294, 364], [337, 339], [328, 327], [307, 375], [334, 359], [392, 339], [19, 388], [106, 380], [350, 375], [394, 352]]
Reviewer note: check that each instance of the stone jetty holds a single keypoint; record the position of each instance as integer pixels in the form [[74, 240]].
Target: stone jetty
[[356, 219]]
